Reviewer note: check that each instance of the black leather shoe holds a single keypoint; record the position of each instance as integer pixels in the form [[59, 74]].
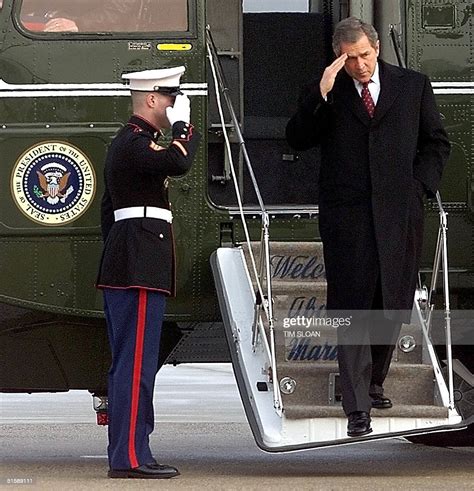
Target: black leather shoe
[[147, 471], [380, 402], [359, 424], [155, 465]]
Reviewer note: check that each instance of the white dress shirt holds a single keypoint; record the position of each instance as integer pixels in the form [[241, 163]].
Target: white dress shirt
[[374, 85]]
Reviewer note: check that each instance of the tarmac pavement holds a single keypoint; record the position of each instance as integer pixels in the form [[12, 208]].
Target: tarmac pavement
[[51, 441]]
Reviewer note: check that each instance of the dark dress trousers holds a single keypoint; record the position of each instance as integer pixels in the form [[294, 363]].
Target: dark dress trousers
[[136, 274], [374, 174]]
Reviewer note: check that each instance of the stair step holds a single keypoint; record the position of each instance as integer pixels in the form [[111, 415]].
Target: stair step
[[397, 411], [409, 384], [300, 262], [285, 288], [290, 248], [285, 293]]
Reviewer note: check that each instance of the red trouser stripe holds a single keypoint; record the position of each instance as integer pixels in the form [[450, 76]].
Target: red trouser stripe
[[137, 371]]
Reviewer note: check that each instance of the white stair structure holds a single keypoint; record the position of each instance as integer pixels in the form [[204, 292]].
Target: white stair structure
[[309, 414]]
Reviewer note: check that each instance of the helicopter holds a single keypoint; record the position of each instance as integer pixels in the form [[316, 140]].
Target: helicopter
[[62, 101]]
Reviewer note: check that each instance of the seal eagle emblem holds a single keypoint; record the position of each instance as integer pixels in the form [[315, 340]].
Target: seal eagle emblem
[[53, 183]]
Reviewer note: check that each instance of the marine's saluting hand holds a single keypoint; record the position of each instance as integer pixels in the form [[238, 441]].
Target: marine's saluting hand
[[329, 76], [180, 111]]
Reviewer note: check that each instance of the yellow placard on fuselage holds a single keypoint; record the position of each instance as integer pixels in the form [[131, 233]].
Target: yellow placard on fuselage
[[174, 47]]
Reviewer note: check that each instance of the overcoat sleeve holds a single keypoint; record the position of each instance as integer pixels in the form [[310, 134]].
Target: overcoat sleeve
[[307, 127], [433, 143]]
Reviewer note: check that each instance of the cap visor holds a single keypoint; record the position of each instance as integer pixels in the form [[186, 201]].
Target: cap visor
[[173, 91]]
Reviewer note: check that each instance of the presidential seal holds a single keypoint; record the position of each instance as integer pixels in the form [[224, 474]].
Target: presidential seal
[[53, 183]]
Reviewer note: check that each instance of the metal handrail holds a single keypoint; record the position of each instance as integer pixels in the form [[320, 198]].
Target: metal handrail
[[440, 259], [394, 36], [443, 245], [262, 301]]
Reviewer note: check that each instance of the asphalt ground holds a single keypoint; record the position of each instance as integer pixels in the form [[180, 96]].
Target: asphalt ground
[[51, 441]]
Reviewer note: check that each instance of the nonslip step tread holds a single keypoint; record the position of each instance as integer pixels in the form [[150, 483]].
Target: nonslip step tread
[[279, 246], [304, 366], [407, 384], [282, 288], [292, 262], [397, 411]]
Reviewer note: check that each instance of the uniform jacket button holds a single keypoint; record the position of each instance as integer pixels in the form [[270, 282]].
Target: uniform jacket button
[[161, 236]]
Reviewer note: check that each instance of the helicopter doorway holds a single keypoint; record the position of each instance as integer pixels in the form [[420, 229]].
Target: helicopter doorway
[[281, 52]]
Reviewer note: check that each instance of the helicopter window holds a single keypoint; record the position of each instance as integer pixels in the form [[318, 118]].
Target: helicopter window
[[89, 16]]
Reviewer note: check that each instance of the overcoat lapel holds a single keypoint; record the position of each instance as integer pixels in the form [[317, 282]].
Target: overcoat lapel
[[351, 98], [391, 86]]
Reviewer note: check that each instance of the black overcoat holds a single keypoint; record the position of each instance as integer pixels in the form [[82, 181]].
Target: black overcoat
[[139, 252], [374, 173]]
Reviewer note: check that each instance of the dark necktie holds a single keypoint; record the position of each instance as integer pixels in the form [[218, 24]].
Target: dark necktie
[[367, 99]]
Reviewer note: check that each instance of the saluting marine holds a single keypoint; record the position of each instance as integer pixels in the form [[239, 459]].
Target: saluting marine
[[137, 267]]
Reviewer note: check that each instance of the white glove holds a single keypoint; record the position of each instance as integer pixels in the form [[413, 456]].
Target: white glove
[[181, 111]]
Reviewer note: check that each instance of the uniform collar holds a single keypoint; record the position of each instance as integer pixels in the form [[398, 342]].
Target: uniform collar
[[144, 125]]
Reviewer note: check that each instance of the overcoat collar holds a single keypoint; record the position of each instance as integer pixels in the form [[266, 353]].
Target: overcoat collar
[[391, 86]]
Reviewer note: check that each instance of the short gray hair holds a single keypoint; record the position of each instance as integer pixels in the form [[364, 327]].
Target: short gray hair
[[350, 30]]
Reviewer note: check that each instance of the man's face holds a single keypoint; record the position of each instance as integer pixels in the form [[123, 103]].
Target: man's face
[[161, 102], [361, 59]]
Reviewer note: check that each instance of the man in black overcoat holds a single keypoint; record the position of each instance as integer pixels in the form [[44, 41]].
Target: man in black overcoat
[[383, 149], [137, 269]]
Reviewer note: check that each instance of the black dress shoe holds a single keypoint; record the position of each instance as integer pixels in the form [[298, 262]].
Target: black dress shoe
[[359, 424], [380, 402], [155, 465], [147, 471]]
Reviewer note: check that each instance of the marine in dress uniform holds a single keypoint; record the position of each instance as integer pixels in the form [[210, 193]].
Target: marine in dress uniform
[[137, 267], [383, 148]]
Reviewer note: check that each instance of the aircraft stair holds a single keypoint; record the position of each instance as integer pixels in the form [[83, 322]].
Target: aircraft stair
[[308, 355], [301, 408]]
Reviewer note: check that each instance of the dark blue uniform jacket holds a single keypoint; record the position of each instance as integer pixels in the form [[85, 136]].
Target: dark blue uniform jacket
[[139, 252]]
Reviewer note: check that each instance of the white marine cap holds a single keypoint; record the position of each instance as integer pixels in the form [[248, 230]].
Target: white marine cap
[[164, 80]]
